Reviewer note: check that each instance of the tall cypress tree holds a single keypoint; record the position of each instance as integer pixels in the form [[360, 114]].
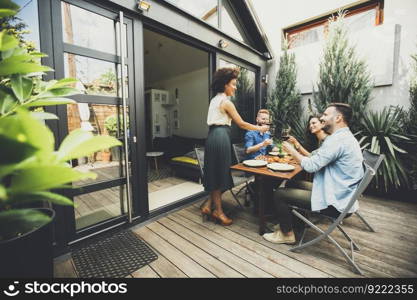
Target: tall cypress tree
[[343, 76], [284, 100]]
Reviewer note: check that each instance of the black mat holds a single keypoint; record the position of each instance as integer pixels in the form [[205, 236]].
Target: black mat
[[111, 256], [162, 173]]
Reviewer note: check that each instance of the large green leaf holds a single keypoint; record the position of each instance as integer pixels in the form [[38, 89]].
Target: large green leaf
[[7, 41], [22, 87], [9, 4], [9, 68], [65, 82], [59, 92], [16, 222], [3, 193], [81, 143], [14, 151], [7, 100], [44, 116], [49, 101], [41, 178], [6, 12]]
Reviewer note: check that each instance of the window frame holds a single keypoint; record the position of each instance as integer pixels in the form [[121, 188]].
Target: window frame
[[378, 5]]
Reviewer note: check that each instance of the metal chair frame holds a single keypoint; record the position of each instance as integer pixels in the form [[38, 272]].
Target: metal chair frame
[[372, 162]]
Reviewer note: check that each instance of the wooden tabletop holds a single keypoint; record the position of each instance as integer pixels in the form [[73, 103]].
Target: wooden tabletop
[[268, 172]]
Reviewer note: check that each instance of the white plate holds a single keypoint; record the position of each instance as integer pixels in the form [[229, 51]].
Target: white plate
[[255, 163], [280, 167], [274, 153]]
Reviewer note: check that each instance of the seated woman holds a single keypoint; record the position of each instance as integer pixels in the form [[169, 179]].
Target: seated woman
[[315, 129]]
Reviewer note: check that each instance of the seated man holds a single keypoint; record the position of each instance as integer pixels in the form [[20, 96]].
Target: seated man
[[338, 170], [258, 143]]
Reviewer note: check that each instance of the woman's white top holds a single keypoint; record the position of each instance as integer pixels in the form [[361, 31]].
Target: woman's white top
[[216, 116]]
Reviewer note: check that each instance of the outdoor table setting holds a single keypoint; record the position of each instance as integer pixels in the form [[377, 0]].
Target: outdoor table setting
[[267, 168]]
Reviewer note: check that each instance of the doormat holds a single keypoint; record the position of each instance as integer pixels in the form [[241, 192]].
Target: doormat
[[113, 256], [162, 173]]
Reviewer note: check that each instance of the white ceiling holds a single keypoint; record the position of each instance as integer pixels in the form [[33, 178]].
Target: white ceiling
[[166, 58]]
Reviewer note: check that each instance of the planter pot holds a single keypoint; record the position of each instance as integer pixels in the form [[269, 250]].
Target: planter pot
[[115, 153], [29, 255]]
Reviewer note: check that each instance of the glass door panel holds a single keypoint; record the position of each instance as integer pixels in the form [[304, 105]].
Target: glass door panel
[[244, 98], [92, 47]]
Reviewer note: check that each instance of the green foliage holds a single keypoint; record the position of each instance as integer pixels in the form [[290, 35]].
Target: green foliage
[[244, 100], [284, 100], [29, 165], [343, 76], [382, 133], [112, 124]]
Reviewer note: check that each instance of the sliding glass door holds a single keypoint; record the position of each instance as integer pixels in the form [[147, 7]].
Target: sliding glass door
[[96, 49]]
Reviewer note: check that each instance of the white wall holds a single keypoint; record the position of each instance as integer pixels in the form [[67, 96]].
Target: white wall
[[392, 43], [193, 91]]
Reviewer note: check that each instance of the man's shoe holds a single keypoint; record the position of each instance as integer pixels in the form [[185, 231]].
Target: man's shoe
[[278, 237]]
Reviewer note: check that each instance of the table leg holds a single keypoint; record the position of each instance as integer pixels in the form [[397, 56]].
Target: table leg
[[261, 204], [156, 165]]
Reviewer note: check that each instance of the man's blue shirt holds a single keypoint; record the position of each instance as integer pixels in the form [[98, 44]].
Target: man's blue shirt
[[338, 170], [254, 137]]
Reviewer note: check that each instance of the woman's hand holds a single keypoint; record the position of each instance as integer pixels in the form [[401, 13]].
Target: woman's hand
[[294, 141]]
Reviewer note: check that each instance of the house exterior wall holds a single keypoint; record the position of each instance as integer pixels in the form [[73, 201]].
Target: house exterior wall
[[385, 48]]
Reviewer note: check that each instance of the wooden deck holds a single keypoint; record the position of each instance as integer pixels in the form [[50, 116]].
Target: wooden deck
[[188, 247]]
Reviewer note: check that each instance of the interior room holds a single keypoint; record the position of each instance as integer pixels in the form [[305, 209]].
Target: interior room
[[177, 98]]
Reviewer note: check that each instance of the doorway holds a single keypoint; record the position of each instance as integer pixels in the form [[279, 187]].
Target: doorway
[[176, 101]]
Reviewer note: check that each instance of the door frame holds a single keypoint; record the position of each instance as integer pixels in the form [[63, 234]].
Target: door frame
[[51, 37]]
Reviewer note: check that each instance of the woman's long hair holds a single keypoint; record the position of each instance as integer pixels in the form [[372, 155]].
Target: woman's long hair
[[312, 140]]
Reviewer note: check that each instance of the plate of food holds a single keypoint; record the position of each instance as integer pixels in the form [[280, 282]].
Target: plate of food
[[255, 163], [280, 167]]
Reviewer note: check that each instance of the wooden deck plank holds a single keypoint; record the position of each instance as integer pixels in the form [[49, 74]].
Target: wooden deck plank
[[209, 262], [145, 272], [65, 269], [376, 266], [221, 238], [234, 261], [257, 249], [250, 231], [165, 269], [182, 261]]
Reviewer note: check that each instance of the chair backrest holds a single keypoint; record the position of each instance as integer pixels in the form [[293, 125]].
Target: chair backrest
[[199, 153], [370, 171], [372, 160], [239, 151]]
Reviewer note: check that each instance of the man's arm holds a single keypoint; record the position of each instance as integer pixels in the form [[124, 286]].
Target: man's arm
[[257, 147], [326, 154]]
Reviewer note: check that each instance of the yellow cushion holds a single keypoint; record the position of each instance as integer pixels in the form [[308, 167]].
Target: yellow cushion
[[185, 159]]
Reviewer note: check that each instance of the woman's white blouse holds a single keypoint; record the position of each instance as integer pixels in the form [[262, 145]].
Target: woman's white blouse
[[215, 115]]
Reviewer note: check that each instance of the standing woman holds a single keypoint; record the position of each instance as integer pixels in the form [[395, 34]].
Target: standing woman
[[218, 148]]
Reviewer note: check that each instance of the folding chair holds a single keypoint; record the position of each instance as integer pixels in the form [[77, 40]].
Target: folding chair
[[240, 177], [371, 164], [200, 158]]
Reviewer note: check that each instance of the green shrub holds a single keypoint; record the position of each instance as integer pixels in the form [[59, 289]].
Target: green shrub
[[29, 165]]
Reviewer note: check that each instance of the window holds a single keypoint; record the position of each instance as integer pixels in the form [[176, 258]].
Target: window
[[358, 17]]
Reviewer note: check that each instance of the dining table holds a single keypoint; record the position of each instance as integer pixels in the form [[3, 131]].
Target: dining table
[[264, 176]]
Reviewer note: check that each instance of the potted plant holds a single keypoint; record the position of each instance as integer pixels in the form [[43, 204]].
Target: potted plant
[[111, 124], [30, 167]]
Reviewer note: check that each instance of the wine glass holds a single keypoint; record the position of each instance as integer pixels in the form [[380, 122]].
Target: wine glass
[[285, 134]]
